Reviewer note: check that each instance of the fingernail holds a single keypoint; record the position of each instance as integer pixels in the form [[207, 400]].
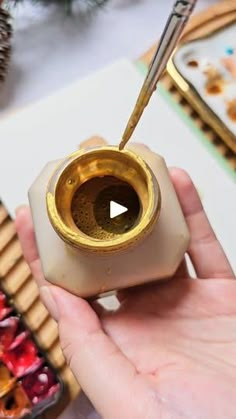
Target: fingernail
[[49, 301], [19, 208]]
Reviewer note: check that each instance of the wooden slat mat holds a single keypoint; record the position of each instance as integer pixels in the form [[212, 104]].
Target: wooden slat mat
[[213, 18], [18, 283]]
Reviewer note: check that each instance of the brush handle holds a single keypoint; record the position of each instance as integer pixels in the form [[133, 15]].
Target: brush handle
[[184, 8], [174, 27], [172, 32]]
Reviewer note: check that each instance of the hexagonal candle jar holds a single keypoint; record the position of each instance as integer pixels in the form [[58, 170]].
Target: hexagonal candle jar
[[88, 251]]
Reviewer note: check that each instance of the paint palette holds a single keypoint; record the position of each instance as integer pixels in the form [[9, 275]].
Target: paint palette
[[204, 69], [28, 384]]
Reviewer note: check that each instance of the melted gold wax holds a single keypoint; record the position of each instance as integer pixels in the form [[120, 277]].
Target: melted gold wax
[[215, 82], [91, 207], [231, 110]]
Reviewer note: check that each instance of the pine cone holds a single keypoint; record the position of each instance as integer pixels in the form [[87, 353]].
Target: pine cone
[[5, 42]]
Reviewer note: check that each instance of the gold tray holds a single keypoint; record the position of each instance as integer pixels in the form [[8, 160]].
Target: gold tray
[[204, 23]]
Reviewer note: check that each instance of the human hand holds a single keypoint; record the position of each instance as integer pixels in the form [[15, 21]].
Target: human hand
[[169, 351]]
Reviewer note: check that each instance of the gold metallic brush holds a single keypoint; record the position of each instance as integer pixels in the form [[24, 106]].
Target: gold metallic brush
[[175, 25]]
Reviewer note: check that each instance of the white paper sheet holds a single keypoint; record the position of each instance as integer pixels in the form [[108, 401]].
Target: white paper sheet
[[101, 105]]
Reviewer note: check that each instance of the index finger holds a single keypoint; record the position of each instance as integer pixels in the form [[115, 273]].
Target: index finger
[[25, 230], [205, 251]]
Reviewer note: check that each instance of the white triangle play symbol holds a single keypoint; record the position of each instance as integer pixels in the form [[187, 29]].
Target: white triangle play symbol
[[116, 209]]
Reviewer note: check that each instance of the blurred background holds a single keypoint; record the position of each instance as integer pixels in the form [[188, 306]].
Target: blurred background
[[52, 48]]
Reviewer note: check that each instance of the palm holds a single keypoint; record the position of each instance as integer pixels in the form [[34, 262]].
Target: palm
[[169, 351], [177, 336]]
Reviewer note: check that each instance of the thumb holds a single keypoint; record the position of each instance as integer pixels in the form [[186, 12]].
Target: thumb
[[101, 369]]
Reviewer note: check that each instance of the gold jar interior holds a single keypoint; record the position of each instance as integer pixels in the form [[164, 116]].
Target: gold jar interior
[[80, 192], [90, 207]]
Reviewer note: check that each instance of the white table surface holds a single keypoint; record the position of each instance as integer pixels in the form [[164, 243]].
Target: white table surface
[[51, 50]]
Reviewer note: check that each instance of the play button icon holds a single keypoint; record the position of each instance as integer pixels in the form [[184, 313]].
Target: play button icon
[[116, 209]]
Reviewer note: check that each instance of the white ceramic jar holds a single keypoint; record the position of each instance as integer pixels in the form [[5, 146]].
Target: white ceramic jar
[[82, 247]]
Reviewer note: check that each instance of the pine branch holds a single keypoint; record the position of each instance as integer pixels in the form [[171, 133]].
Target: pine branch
[[66, 4], [5, 42]]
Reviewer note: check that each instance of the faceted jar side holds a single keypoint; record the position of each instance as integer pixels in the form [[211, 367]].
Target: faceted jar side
[[148, 254]]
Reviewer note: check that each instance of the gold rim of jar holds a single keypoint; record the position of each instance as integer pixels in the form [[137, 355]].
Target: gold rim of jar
[[86, 164]]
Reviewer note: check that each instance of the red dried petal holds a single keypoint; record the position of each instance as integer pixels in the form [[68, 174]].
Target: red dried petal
[[8, 329], [22, 359], [40, 385], [19, 338], [5, 309]]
